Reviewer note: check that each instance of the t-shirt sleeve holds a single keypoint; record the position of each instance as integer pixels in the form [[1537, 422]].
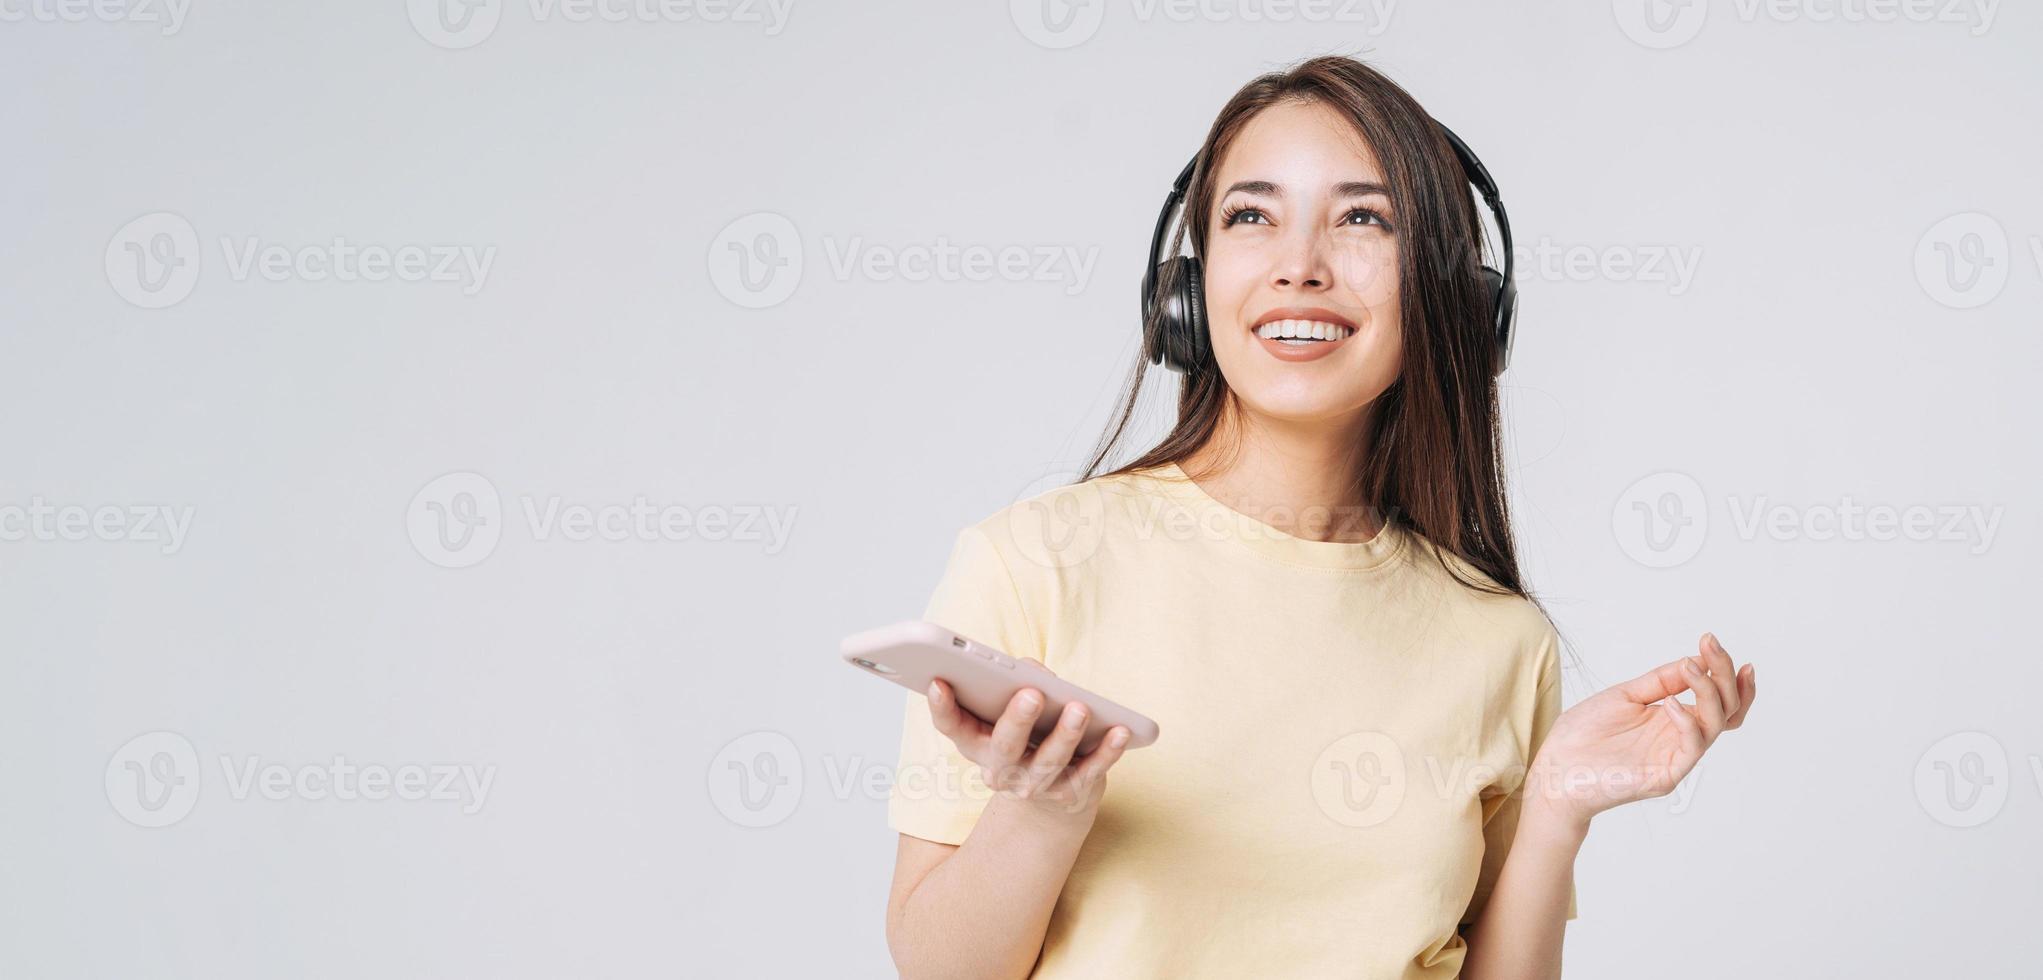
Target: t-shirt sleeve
[[938, 794], [1500, 812]]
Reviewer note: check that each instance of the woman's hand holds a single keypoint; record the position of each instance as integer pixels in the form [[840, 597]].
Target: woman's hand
[[1620, 745], [1044, 777]]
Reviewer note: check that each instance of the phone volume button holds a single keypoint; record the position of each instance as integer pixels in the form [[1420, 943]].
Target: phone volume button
[[1004, 661]]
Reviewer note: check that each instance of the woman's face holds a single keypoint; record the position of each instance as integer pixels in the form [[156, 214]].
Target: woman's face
[[1301, 268]]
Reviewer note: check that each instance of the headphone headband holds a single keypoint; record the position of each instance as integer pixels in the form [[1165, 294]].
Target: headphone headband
[[1485, 185], [1177, 196]]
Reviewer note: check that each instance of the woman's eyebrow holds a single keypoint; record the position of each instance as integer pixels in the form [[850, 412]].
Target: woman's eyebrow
[[1351, 188]]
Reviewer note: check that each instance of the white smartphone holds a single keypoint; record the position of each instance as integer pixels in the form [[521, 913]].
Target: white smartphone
[[984, 680]]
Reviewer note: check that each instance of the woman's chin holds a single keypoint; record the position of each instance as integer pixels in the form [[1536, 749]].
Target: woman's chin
[[1309, 406]]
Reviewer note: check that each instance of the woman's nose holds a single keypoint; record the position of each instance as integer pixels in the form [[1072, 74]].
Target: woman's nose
[[1303, 265]]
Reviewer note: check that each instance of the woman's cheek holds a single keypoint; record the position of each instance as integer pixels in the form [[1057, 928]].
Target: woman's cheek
[[1371, 274], [1227, 292]]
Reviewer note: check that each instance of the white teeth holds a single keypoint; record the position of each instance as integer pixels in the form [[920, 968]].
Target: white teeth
[[1302, 330]]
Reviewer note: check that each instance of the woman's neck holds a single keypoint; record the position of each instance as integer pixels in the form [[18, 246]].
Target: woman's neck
[[1298, 477]]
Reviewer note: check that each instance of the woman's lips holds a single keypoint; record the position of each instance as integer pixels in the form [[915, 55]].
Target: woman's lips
[[1318, 332]]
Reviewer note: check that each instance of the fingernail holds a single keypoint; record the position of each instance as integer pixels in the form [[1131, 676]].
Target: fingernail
[[1031, 701], [1118, 738], [1688, 665], [933, 694], [1074, 719]]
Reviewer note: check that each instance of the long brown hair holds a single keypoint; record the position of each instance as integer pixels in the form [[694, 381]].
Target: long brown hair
[[1434, 455]]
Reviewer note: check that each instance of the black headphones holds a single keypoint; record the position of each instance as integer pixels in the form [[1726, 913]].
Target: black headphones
[[1175, 335]]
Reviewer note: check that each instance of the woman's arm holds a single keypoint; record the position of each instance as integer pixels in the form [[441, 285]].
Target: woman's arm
[[1519, 933], [981, 908], [1635, 741]]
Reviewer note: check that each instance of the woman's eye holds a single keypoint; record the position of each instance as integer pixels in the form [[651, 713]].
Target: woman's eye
[[1250, 215], [1364, 216]]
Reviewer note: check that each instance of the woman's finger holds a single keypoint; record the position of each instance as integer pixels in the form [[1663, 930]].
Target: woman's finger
[[1709, 705], [1053, 753], [1723, 673], [1748, 688], [952, 720], [1010, 739], [1102, 757], [1664, 681], [1692, 742]]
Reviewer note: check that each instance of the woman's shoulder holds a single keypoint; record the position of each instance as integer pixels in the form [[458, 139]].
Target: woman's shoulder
[[1486, 607], [1067, 524]]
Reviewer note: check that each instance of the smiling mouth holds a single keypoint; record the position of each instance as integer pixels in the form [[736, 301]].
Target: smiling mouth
[[1303, 333]]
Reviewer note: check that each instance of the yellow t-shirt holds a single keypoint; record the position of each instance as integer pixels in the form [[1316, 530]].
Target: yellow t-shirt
[[1342, 726]]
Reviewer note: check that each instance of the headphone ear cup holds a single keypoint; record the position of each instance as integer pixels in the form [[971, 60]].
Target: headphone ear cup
[[1503, 308], [1175, 335], [1156, 313], [1192, 297]]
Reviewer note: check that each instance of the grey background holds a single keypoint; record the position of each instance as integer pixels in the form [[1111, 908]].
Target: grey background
[[610, 684]]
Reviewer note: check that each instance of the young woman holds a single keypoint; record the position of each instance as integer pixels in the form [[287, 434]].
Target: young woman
[[1310, 584]]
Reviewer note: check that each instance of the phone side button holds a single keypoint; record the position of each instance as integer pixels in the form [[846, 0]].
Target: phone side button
[[1004, 661]]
